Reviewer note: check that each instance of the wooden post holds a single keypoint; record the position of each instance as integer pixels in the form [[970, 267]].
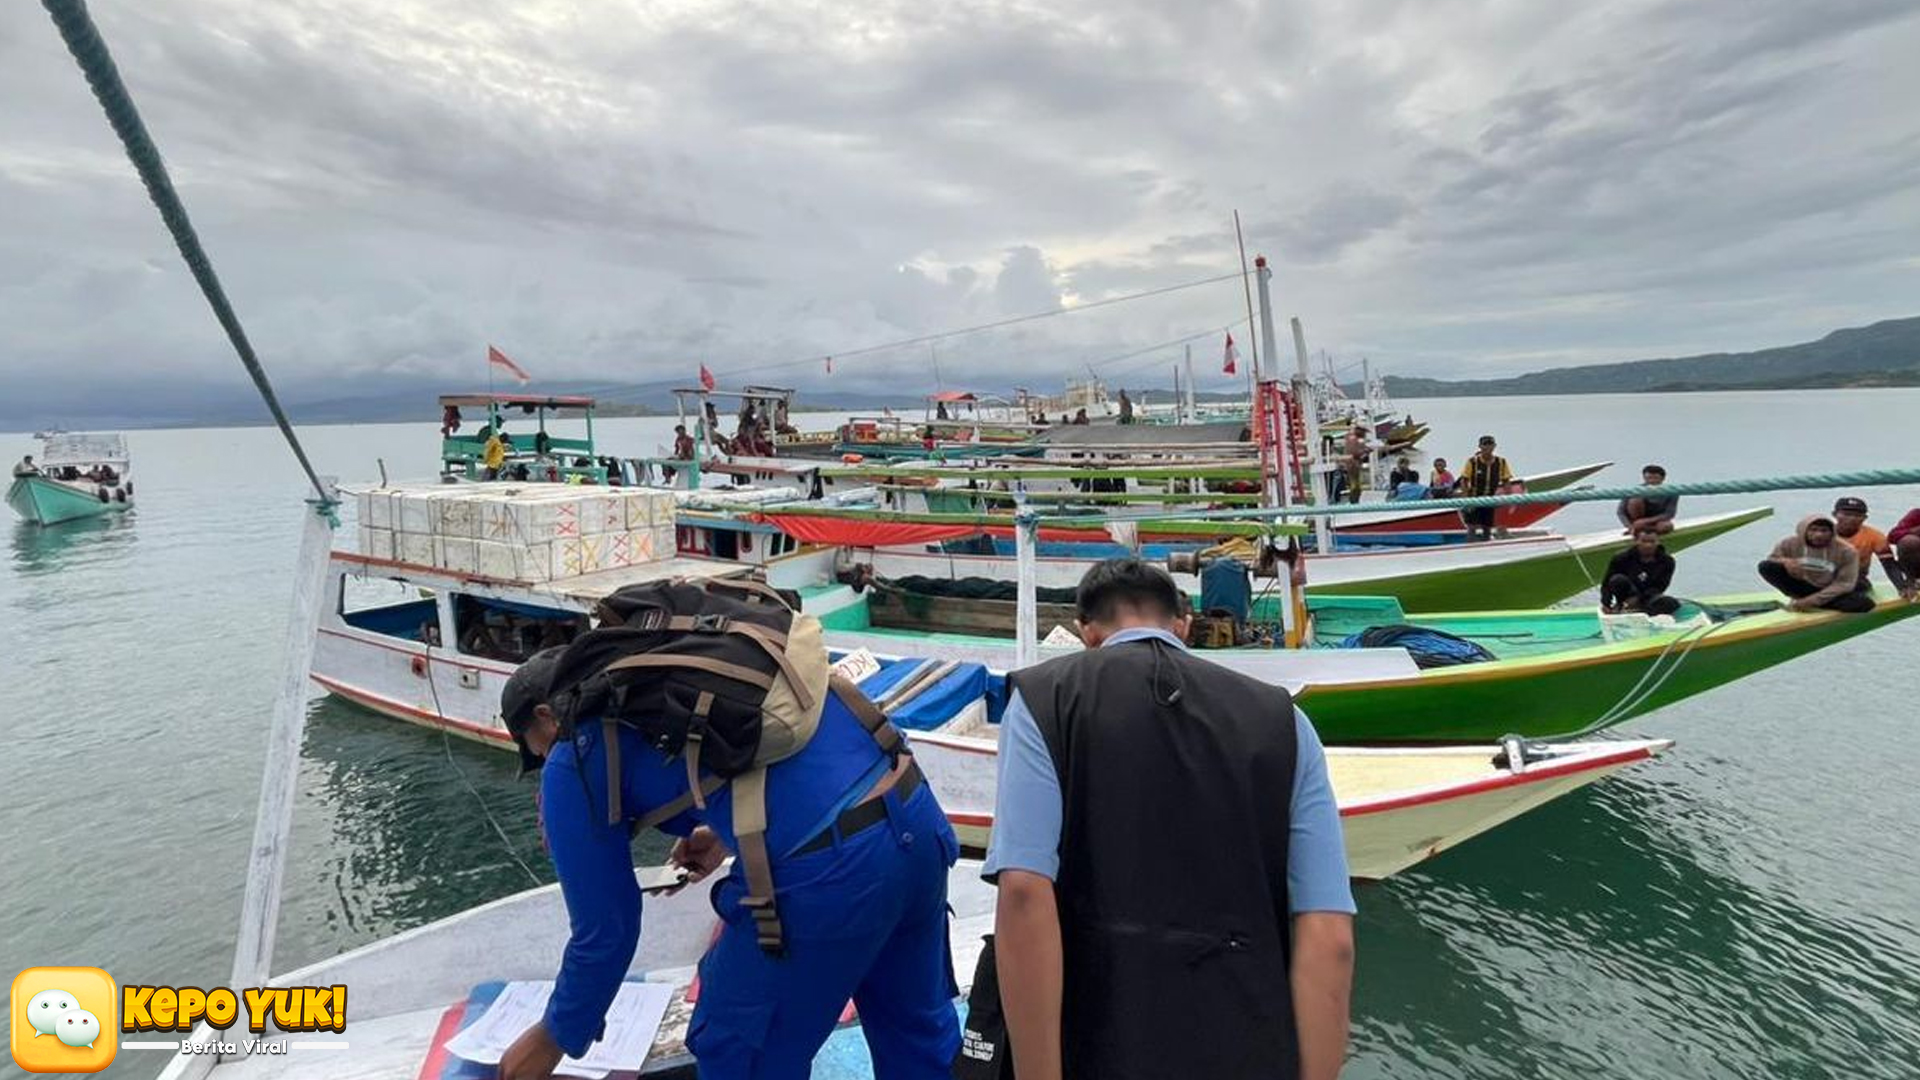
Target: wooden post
[[266, 864]]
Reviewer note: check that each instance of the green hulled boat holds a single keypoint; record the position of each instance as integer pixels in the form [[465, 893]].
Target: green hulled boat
[[1552, 674], [78, 477]]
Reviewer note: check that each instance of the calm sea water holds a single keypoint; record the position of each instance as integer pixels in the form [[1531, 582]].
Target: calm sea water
[[1746, 907]]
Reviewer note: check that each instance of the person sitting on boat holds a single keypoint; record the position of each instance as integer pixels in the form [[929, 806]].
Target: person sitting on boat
[[1903, 541], [449, 420], [1485, 473], [1440, 483], [1236, 959], [26, 467], [1403, 473], [1126, 408], [1080, 417], [1869, 543], [1649, 511], [1816, 569], [1638, 578], [494, 454], [857, 841]]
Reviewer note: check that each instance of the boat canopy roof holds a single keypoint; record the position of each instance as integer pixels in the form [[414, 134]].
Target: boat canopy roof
[[952, 395], [755, 392], [84, 449], [537, 401]]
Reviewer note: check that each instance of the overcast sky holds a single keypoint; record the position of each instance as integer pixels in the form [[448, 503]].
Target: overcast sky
[[621, 191]]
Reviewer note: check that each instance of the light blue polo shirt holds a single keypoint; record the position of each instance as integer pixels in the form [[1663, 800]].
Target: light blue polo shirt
[[1027, 813]]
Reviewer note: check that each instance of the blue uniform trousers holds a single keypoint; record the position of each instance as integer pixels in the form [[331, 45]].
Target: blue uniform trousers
[[864, 920]]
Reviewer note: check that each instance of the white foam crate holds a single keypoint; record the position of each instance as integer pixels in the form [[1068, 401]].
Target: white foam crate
[[513, 562], [576, 555], [413, 513], [377, 544], [458, 554], [413, 548]]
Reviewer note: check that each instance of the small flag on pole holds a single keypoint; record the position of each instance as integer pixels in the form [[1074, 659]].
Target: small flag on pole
[[1233, 356], [499, 359], [706, 378]]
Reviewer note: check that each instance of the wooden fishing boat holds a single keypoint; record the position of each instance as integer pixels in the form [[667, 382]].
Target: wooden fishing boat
[[1399, 806], [81, 476], [1552, 673], [1513, 573]]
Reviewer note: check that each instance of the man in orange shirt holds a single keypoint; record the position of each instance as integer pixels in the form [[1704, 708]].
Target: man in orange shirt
[[1850, 524]]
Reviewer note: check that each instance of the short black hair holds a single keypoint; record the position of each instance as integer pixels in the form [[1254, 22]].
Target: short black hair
[[1660, 469], [1646, 530], [1127, 582]]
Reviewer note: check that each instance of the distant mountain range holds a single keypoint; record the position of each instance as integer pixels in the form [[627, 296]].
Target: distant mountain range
[[1883, 354]]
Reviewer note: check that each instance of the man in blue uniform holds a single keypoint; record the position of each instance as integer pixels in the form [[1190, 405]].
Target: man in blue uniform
[[1173, 879], [859, 849]]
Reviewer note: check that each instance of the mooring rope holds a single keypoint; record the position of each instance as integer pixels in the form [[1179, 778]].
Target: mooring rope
[[90, 51]]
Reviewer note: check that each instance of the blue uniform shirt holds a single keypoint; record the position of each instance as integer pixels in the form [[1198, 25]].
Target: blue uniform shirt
[[1026, 819], [594, 861]]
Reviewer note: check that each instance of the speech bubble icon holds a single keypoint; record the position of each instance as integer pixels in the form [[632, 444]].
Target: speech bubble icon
[[79, 1028], [47, 1008]]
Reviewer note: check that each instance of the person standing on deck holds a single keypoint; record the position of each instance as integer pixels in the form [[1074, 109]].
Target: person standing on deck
[[1647, 511], [1126, 408], [859, 851], [1638, 578], [1485, 473], [1816, 569], [494, 454], [1173, 881]]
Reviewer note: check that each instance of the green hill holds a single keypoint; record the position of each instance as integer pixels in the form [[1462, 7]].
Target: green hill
[[1884, 354]]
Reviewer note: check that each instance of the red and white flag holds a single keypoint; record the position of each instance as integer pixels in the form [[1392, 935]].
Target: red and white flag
[[706, 378], [1233, 356], [499, 359]]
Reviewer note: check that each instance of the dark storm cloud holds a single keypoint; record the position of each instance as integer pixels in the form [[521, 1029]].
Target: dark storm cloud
[[624, 190]]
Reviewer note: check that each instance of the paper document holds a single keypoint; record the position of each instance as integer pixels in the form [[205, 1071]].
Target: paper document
[[632, 1024]]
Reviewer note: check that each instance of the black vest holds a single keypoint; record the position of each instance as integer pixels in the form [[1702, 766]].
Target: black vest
[[1176, 784]]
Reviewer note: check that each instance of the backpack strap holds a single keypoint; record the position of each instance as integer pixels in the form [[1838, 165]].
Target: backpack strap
[[755, 590], [869, 715], [773, 641], [702, 663], [750, 831]]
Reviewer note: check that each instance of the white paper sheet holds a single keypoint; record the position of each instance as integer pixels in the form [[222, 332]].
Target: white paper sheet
[[633, 1022]]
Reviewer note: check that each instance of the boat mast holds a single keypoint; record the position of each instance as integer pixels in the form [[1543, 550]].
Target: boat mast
[[1193, 405], [1026, 623], [1314, 467], [272, 825]]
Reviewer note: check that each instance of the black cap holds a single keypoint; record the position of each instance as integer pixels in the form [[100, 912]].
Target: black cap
[[1853, 503], [1487, 440], [1660, 470], [528, 687]]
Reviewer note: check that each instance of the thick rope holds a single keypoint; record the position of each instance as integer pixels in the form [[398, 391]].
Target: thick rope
[[1797, 482], [84, 41]]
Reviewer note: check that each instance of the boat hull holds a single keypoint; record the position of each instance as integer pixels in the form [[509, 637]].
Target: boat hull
[[50, 502], [1520, 573], [1383, 836], [1587, 690]]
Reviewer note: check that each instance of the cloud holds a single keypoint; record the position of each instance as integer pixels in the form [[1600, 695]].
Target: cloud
[[619, 192]]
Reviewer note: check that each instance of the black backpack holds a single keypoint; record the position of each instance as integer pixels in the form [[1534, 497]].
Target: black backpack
[[723, 673]]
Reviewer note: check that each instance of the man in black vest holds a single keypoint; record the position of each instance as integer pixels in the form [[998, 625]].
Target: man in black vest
[[1173, 882]]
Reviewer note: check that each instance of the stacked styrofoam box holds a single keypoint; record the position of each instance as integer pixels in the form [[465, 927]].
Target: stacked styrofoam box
[[518, 532]]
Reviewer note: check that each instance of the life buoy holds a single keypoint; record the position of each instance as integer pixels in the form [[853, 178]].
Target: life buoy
[[852, 459]]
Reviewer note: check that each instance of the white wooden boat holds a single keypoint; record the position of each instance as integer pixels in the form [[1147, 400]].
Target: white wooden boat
[[1398, 806]]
